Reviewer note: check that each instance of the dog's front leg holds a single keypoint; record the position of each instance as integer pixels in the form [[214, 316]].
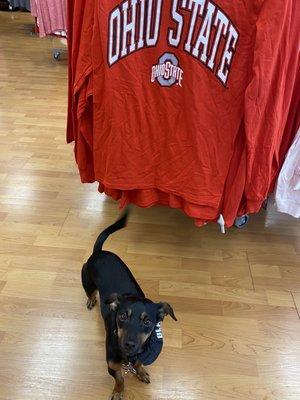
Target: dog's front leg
[[115, 370], [141, 373]]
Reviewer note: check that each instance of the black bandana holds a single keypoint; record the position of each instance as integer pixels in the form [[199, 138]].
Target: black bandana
[[152, 348]]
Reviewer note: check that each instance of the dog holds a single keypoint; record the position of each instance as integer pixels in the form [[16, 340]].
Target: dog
[[131, 319]]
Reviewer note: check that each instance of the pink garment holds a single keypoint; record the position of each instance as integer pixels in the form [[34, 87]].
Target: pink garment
[[287, 195], [50, 14]]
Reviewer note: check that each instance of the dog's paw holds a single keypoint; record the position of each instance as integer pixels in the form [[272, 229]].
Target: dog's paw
[[117, 396], [143, 375], [91, 303]]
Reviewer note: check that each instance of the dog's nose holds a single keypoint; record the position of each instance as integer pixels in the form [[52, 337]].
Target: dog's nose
[[129, 345]]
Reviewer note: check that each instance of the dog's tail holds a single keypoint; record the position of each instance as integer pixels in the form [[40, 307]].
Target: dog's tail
[[119, 224]]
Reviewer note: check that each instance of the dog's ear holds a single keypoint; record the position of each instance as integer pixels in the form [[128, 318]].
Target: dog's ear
[[163, 310], [114, 300]]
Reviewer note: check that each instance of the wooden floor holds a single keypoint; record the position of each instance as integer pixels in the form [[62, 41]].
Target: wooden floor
[[235, 296]]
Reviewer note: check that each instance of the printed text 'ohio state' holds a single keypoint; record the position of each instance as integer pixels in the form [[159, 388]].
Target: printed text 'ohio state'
[[199, 27]]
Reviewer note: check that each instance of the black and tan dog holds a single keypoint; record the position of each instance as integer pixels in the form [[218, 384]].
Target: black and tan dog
[[130, 318]]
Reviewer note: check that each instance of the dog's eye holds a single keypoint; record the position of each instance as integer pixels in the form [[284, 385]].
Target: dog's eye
[[123, 317], [147, 322]]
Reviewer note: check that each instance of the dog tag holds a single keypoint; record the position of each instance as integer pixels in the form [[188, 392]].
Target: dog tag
[[128, 368]]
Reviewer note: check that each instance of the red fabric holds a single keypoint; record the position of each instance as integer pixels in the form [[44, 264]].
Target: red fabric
[[204, 147], [291, 127], [183, 149], [80, 30], [80, 121], [264, 124], [233, 196], [268, 97]]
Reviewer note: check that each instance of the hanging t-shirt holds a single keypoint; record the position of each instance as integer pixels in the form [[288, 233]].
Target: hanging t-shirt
[[179, 93]]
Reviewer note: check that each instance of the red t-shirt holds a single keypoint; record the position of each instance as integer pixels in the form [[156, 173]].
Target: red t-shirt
[[79, 126], [177, 91]]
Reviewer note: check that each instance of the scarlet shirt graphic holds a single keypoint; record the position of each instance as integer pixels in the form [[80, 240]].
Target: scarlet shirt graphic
[[135, 25], [167, 72]]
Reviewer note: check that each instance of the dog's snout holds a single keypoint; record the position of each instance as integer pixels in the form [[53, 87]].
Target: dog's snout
[[130, 345]]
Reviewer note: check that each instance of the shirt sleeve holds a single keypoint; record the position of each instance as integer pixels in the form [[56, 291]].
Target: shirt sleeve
[[269, 93]]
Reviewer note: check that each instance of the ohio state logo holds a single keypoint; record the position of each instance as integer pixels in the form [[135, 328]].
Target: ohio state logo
[[199, 28], [167, 71]]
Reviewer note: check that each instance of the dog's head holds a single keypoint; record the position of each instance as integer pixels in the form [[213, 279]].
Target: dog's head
[[136, 319]]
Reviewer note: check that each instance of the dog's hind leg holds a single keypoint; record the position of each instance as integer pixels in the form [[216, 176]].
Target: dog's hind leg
[[89, 287]]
